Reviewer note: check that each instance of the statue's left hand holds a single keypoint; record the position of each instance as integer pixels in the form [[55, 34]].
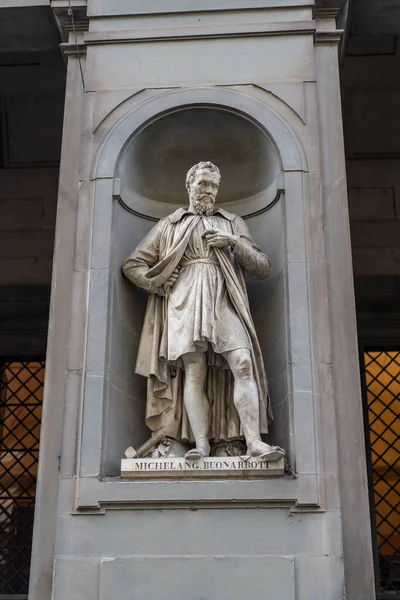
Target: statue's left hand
[[215, 238]]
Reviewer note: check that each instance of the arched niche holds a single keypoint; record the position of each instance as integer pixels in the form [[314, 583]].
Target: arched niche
[[153, 165], [226, 123]]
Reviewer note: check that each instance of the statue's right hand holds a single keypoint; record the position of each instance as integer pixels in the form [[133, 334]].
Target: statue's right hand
[[172, 278]]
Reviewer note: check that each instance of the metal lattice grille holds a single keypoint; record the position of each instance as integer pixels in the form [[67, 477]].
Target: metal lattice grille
[[382, 377], [21, 394]]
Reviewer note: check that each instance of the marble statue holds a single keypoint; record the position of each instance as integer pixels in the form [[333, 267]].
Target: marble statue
[[199, 348]]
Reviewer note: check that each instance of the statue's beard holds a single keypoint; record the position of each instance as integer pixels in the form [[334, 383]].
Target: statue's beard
[[203, 207]]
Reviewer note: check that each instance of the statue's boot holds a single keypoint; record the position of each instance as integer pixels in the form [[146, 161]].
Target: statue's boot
[[202, 450], [264, 451]]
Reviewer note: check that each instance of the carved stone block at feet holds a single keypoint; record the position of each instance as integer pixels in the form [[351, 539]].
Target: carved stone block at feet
[[170, 448], [233, 448]]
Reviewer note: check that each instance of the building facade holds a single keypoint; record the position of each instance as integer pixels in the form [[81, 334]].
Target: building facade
[[95, 142]]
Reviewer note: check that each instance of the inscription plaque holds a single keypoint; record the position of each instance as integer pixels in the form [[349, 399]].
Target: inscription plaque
[[209, 467]]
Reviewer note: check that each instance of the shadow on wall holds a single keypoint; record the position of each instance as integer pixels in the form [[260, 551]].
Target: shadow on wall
[[151, 172]]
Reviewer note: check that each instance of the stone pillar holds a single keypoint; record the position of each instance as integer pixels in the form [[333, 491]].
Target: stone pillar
[[237, 83], [357, 546], [41, 574]]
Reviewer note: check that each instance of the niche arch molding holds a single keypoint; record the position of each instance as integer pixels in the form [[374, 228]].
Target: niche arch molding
[[282, 135]]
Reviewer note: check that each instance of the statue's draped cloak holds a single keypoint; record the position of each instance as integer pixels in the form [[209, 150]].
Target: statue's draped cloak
[[150, 266]]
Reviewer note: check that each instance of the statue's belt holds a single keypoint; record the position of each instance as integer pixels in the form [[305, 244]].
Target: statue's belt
[[206, 261]]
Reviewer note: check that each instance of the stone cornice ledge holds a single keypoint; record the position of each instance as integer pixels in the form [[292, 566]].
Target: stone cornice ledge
[[331, 12], [328, 36], [61, 11], [199, 32], [326, 13], [64, 4], [330, 5], [72, 49], [106, 8]]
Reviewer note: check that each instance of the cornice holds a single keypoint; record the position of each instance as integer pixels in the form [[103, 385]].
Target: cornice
[[82, 25], [328, 36], [72, 49], [199, 32], [69, 16], [333, 16], [330, 5], [326, 13]]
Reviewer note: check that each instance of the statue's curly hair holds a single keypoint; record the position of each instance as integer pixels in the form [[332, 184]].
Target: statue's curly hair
[[207, 164]]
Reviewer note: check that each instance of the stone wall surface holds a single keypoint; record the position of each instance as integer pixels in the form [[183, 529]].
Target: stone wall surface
[[282, 537]]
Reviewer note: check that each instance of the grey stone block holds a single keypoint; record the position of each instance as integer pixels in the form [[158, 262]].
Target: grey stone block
[[285, 58], [92, 428], [102, 7], [304, 431], [210, 531], [300, 347], [198, 577], [98, 315], [319, 577], [125, 425], [102, 225], [76, 578], [301, 377]]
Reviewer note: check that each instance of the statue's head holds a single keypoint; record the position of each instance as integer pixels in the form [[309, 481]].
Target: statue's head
[[202, 182]]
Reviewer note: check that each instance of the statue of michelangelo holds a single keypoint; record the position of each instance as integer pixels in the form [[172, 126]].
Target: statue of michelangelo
[[199, 348]]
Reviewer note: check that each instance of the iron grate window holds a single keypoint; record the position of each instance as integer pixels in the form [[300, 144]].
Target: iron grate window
[[21, 395], [382, 383]]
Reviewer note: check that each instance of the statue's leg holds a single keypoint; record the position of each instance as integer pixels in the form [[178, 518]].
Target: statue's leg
[[245, 397], [196, 402]]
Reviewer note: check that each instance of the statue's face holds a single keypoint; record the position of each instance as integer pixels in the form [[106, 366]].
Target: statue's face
[[203, 190]]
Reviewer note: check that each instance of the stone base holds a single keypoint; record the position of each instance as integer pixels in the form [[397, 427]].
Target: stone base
[[211, 467]]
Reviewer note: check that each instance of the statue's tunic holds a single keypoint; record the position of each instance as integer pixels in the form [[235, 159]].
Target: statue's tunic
[[205, 310], [199, 307]]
